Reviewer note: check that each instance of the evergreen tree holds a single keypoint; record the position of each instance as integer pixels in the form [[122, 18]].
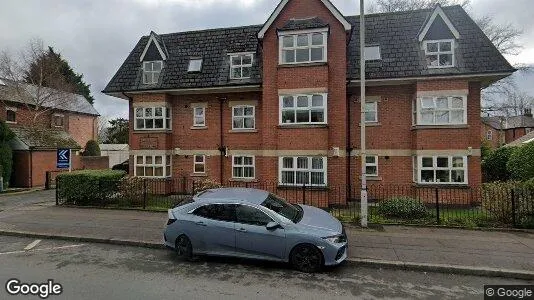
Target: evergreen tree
[[54, 59]]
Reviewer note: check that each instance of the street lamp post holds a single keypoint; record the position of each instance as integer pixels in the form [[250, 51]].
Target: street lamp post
[[363, 195]]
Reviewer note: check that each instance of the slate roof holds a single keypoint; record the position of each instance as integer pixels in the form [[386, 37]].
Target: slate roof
[[43, 139], [527, 138], [299, 24], [396, 34], [509, 122], [52, 99]]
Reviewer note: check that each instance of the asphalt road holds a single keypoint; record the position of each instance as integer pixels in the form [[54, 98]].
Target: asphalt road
[[97, 271]]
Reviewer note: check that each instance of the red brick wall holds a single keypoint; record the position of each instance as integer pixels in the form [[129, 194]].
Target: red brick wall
[[94, 162], [82, 128], [497, 136]]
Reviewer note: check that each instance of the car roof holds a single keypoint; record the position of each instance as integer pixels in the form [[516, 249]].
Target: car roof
[[253, 196]]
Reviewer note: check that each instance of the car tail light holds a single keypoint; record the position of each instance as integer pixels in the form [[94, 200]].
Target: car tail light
[[172, 218]]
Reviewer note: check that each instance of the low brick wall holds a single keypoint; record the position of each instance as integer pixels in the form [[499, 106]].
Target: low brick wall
[[94, 162]]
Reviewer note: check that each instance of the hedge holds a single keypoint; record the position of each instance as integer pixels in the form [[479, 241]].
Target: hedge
[[88, 187], [521, 163], [497, 200], [402, 208], [494, 164]]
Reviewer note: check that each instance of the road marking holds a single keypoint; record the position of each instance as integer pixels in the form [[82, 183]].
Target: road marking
[[43, 249], [32, 245]]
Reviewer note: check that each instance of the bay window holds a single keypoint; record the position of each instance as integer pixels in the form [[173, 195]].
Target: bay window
[[442, 110], [303, 109], [152, 118], [441, 169], [303, 47], [152, 166], [298, 171]]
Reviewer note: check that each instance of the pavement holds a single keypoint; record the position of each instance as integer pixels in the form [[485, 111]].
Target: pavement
[[474, 252], [102, 271]]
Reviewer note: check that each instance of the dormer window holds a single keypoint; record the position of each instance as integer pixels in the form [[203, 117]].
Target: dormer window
[[303, 47], [240, 65], [195, 65], [151, 71], [439, 54]]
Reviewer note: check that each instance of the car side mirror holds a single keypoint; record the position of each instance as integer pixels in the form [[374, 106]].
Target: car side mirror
[[272, 226]]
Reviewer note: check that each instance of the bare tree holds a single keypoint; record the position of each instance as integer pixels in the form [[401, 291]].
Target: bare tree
[[503, 36], [37, 98], [102, 129], [404, 5]]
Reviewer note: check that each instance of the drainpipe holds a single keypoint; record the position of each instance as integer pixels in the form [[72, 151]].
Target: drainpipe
[[31, 167], [222, 148]]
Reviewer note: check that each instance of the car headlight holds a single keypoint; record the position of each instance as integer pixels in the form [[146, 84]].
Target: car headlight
[[334, 239]]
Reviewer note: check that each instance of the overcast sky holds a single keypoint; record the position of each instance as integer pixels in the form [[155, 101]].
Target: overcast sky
[[95, 36]]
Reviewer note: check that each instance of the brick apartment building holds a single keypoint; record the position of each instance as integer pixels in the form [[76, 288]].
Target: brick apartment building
[[279, 102], [67, 123], [501, 130]]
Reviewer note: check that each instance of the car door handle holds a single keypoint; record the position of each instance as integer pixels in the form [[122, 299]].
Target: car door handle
[[201, 223], [241, 229]]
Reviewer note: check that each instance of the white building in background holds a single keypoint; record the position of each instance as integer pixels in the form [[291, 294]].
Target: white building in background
[[117, 153]]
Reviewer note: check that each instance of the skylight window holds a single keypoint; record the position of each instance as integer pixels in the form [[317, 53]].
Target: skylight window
[[372, 53], [195, 65]]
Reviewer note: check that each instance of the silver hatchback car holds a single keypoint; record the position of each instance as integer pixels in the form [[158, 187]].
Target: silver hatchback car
[[256, 224]]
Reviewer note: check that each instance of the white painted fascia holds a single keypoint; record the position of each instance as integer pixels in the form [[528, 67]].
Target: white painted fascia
[[438, 11], [152, 39]]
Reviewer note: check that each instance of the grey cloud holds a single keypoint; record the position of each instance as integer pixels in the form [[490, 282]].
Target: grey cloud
[[96, 36]]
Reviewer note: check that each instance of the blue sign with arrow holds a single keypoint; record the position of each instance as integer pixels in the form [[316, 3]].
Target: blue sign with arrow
[[63, 158]]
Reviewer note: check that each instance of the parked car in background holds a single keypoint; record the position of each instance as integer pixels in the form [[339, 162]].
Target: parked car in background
[[123, 166], [256, 224]]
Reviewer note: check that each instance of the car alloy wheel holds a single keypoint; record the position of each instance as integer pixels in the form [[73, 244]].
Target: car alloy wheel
[[184, 249], [306, 258]]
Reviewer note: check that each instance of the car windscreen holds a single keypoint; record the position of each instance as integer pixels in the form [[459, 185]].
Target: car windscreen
[[281, 207]]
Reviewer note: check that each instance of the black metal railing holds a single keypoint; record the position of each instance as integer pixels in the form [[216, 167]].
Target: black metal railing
[[479, 206]]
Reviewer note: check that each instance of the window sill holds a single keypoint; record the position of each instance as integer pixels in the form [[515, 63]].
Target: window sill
[[442, 186], [372, 178], [300, 187], [11, 122], [418, 127], [291, 126], [243, 131], [152, 131], [199, 127], [371, 124], [308, 64], [199, 175], [252, 180]]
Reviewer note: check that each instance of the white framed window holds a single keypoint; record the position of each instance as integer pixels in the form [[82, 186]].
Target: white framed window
[[241, 65], [195, 65], [243, 117], [199, 116], [371, 165], [489, 135], [58, 120], [441, 169], [152, 166], [439, 53], [528, 130], [303, 47], [199, 164], [243, 167], [298, 171], [372, 53], [371, 112], [303, 109], [151, 71], [442, 110], [11, 115], [153, 118]]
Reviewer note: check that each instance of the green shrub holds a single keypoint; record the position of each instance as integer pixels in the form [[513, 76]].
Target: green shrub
[[521, 163], [89, 187], [132, 191], [402, 208], [91, 149], [497, 199], [6, 162], [205, 185], [494, 164]]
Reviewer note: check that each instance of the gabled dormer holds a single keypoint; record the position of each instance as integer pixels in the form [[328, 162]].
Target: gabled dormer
[[152, 59], [439, 40]]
